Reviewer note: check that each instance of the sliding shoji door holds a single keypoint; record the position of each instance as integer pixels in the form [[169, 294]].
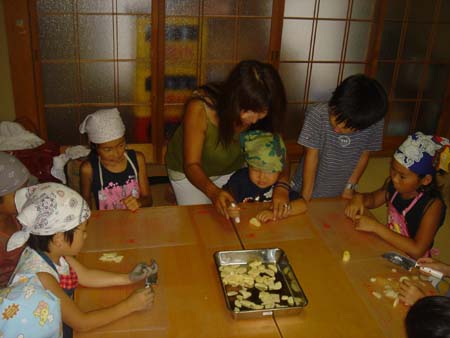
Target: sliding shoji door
[[95, 54], [414, 66], [204, 40], [323, 42]]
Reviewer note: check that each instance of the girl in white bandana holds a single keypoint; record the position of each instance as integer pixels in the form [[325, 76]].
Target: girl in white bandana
[[117, 177], [416, 208], [54, 219]]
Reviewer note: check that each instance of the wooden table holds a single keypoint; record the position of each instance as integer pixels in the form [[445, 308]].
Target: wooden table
[[189, 300]]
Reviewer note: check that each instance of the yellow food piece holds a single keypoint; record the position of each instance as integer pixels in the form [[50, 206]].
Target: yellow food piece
[[253, 221], [346, 256]]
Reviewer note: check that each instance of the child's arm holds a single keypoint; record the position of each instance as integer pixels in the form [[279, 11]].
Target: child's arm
[[86, 175], [369, 200], [145, 197], [98, 278], [84, 321], [297, 207], [435, 264], [280, 195], [415, 247], [309, 172], [357, 173]]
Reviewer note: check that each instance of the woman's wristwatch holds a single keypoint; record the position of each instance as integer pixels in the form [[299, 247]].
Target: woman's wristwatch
[[351, 186]]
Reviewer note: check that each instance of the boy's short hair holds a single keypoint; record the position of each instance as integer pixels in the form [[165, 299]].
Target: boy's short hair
[[264, 150], [359, 102], [429, 317]]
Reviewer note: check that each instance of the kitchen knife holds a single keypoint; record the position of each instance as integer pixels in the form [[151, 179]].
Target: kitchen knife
[[409, 263]]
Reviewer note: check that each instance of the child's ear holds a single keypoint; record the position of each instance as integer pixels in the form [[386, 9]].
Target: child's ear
[[58, 239], [426, 180]]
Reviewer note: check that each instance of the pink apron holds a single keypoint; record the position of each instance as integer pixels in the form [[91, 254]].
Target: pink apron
[[111, 196], [397, 220]]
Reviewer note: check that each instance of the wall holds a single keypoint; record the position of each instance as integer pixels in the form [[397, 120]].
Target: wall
[[7, 112]]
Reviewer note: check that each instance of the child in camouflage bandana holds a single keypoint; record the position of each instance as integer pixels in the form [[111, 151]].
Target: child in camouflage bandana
[[265, 155]]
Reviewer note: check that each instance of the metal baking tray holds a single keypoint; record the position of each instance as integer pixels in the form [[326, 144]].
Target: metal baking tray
[[290, 286]]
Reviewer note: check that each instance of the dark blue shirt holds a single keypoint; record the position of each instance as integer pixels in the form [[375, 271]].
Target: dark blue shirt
[[244, 190]]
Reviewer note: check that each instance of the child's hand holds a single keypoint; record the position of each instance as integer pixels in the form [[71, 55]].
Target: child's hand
[[347, 194], [355, 207], [139, 272], [410, 293], [141, 299], [365, 223], [265, 216], [434, 264], [131, 203]]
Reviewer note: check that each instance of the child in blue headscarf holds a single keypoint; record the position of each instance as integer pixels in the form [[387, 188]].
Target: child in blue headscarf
[[416, 209]]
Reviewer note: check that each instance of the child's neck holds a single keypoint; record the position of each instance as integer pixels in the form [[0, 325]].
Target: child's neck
[[54, 255], [115, 167], [409, 195]]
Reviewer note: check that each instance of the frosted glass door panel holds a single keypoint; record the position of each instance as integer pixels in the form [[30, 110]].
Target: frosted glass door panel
[[329, 40], [357, 41], [294, 121], [323, 81], [299, 8], [182, 7], [57, 37], [96, 36], [254, 35], [295, 39], [127, 36], [134, 6], [352, 69], [97, 82], [294, 79], [429, 114], [363, 9], [400, 118], [223, 7], [441, 47], [333, 8], [409, 79], [127, 81], [416, 41], [59, 83], [436, 83], [51, 6], [220, 37], [390, 40], [256, 7], [95, 6]]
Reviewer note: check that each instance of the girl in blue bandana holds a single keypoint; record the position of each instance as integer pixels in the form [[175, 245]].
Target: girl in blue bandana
[[416, 209]]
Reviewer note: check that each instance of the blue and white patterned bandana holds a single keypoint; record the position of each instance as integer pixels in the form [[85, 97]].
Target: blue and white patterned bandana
[[263, 150], [46, 209], [417, 152]]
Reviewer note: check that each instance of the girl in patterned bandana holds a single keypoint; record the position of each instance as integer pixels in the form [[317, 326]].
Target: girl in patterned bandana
[[54, 220], [416, 209], [117, 177]]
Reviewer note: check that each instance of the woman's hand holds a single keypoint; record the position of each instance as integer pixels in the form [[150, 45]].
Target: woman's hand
[[355, 207], [410, 293], [221, 199], [280, 203], [141, 299]]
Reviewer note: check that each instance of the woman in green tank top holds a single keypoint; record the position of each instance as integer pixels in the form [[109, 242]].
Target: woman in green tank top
[[204, 151]]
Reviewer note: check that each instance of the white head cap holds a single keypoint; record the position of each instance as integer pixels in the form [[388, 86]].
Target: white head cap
[[103, 126]]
